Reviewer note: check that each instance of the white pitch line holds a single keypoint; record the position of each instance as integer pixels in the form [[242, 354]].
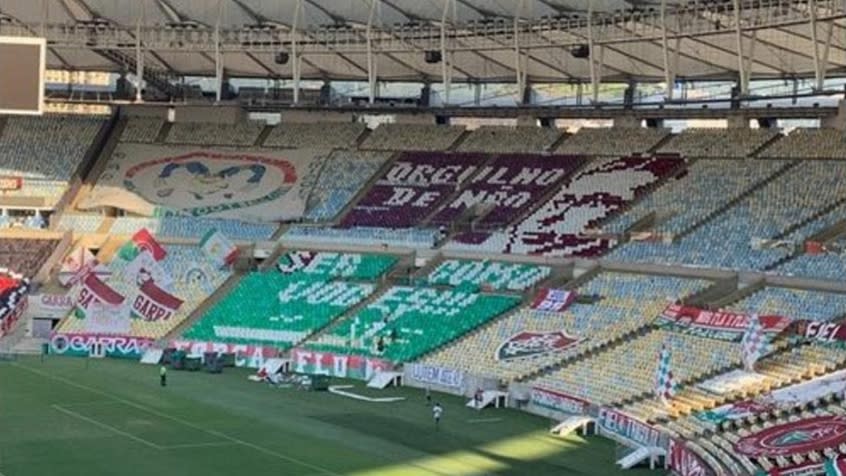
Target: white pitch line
[[108, 427], [179, 420], [198, 445], [484, 420]]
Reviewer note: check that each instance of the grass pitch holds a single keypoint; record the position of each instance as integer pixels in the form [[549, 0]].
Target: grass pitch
[[67, 416]]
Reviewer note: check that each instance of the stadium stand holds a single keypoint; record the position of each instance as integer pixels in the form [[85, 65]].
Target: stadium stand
[[809, 144], [718, 143], [25, 256], [307, 135], [614, 141], [829, 264], [411, 321], [194, 280], [704, 188], [196, 133], [499, 276], [794, 303], [44, 153], [141, 129], [79, 223], [614, 305], [503, 140], [189, 227], [627, 371], [369, 236], [307, 291], [747, 235], [416, 184], [557, 228], [344, 173], [506, 187], [411, 137]]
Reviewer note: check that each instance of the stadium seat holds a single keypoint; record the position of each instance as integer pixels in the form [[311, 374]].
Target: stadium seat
[[502, 140], [410, 137]]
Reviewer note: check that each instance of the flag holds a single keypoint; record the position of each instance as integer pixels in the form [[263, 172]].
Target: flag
[[102, 307], [78, 264], [144, 267], [218, 249], [142, 240], [753, 344], [665, 385], [553, 300], [152, 303]]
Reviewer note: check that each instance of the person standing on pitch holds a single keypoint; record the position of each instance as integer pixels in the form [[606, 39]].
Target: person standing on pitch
[[163, 375], [437, 411]]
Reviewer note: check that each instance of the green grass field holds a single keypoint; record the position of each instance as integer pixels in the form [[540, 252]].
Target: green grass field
[[67, 416]]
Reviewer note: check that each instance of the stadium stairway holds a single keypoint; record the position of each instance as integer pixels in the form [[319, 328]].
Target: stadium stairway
[[99, 165], [734, 201], [163, 132], [819, 213], [263, 136], [2, 125], [739, 294], [460, 140]]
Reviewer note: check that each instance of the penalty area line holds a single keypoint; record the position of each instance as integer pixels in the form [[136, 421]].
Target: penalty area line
[[484, 420], [107, 427], [153, 411]]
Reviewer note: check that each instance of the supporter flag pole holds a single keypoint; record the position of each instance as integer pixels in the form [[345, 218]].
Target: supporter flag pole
[[665, 385], [752, 345]]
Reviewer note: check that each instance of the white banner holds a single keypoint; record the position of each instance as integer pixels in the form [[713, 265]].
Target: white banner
[[436, 375]]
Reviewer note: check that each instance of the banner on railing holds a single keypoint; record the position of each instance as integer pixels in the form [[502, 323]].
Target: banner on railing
[[8, 319], [112, 346], [721, 325], [631, 430], [553, 300], [251, 356], [557, 401], [822, 332], [435, 375], [8, 182], [685, 462], [337, 365], [795, 395], [53, 306]]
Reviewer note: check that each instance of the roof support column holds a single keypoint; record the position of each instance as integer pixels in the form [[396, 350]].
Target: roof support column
[[594, 74], [519, 67], [295, 56], [819, 76], [669, 71], [371, 62], [139, 62], [738, 37], [750, 55], [218, 57], [446, 58]]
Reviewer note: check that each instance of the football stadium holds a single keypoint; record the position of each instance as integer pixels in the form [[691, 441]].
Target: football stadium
[[422, 237]]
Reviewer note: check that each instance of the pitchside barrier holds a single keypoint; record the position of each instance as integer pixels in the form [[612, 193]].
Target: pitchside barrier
[[445, 380]]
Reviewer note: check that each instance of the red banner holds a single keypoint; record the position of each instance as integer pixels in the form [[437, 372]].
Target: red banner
[[796, 437], [824, 332], [616, 423], [684, 462], [153, 303], [10, 183], [723, 325]]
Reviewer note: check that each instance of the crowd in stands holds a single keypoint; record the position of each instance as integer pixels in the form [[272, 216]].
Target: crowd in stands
[[717, 143], [323, 135], [142, 129], [243, 134], [410, 137], [503, 140], [612, 142]]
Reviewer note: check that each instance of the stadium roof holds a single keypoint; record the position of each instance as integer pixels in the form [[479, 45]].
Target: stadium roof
[[628, 39]]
